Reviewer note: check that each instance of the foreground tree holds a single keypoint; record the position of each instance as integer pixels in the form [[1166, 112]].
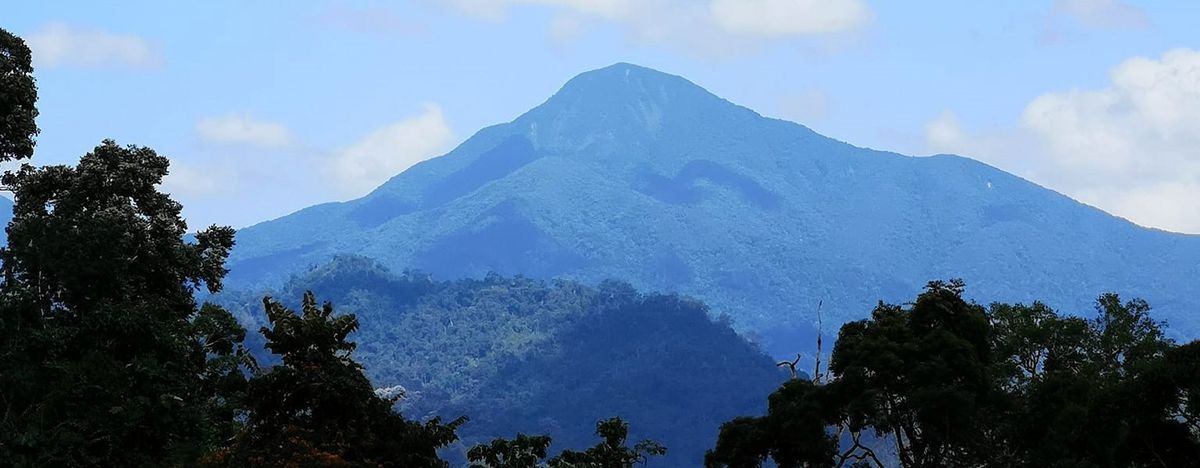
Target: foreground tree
[[921, 376], [105, 358], [1102, 392], [793, 433], [530, 451], [318, 409], [952, 384], [525, 451], [611, 452], [18, 99]]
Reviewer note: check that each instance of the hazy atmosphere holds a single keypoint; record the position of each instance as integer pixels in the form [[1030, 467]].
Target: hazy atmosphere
[[1096, 99], [600, 234]]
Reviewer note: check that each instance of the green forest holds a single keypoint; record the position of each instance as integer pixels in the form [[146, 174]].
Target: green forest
[[116, 350], [553, 358]]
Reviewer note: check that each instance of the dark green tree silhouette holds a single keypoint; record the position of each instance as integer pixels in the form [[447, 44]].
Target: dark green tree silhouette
[[793, 433], [18, 99], [530, 451], [525, 451], [951, 384], [318, 409], [743, 442], [921, 375], [1107, 391], [105, 358], [612, 451]]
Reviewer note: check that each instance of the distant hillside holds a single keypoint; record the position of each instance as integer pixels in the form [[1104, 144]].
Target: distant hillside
[[517, 354], [635, 174]]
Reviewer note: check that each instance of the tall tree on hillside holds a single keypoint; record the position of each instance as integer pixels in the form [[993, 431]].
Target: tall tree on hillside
[[106, 358], [1106, 391], [793, 433], [318, 409], [921, 375], [18, 99]]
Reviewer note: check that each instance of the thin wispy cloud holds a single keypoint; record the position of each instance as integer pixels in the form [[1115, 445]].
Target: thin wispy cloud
[[1129, 147], [789, 17], [62, 45], [712, 26], [188, 180], [243, 130], [390, 150], [375, 20], [1104, 14]]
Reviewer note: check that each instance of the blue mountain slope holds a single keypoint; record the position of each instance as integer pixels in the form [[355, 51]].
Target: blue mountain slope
[[635, 174]]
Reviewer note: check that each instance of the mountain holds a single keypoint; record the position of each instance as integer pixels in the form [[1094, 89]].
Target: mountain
[[635, 174], [517, 354]]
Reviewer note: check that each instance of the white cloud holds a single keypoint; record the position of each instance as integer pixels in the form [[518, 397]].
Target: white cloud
[[376, 20], [705, 25], [243, 130], [565, 28], [789, 17], [58, 44], [390, 150], [945, 133], [184, 179], [1104, 14], [1129, 148]]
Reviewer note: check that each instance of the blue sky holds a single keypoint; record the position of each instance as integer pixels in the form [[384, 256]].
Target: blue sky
[[268, 107]]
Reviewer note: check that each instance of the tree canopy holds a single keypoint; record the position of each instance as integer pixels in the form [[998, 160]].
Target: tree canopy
[[946, 382], [613, 451], [107, 359], [18, 99], [318, 409]]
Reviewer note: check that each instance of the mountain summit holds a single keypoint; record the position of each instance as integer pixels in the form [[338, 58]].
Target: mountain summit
[[635, 174], [625, 102]]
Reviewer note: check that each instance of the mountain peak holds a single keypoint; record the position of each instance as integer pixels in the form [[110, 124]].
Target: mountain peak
[[630, 83], [628, 100], [628, 76]]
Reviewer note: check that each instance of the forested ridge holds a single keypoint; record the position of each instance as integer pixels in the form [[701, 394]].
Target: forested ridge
[[544, 357], [107, 358]]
